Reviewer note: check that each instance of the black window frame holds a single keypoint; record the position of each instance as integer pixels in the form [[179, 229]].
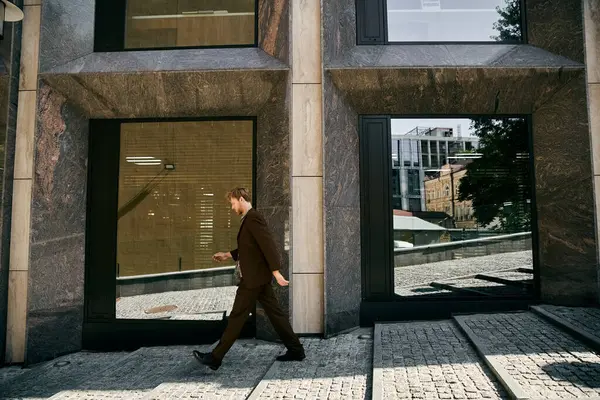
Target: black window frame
[[379, 300], [372, 27], [102, 331], [110, 22]]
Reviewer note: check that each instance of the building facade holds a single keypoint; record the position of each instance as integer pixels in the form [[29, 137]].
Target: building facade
[[127, 121]]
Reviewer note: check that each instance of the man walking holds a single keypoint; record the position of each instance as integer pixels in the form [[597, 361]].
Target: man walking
[[259, 262]]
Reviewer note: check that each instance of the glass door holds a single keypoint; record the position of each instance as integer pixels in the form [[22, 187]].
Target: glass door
[[157, 214]]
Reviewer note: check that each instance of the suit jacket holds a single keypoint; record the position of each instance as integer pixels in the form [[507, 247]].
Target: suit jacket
[[257, 252]]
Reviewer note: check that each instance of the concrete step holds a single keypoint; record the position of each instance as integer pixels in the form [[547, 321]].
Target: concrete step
[[336, 368], [242, 369], [532, 358], [431, 359]]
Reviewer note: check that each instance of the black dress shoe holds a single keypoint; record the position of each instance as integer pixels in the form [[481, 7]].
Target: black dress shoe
[[291, 356], [207, 359]]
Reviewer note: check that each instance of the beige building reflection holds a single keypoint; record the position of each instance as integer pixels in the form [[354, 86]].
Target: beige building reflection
[[441, 195]]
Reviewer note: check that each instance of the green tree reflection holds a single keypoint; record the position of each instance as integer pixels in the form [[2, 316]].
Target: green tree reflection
[[498, 183], [509, 24]]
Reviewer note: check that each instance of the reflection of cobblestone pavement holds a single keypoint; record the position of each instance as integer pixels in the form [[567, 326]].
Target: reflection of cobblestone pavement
[[432, 360], [206, 304], [544, 361], [415, 279], [337, 368]]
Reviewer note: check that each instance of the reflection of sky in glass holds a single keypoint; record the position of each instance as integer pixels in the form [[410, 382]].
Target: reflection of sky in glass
[[442, 20], [401, 126]]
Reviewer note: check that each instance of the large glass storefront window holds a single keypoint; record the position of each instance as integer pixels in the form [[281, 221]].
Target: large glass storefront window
[[454, 20], [189, 23], [462, 217], [173, 216]]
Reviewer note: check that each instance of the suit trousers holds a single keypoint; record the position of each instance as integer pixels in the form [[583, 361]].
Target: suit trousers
[[243, 305]]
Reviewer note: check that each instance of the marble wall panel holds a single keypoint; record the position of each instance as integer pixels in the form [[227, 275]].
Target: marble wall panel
[[343, 276], [341, 198], [556, 26], [171, 60], [58, 212], [339, 28], [341, 181], [274, 28], [167, 94], [564, 196], [450, 90], [273, 195], [67, 31], [273, 148], [451, 55]]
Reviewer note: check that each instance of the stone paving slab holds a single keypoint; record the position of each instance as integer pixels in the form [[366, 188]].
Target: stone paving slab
[[431, 360], [243, 367], [583, 321], [45, 380], [8, 373], [135, 375], [338, 368], [543, 361]]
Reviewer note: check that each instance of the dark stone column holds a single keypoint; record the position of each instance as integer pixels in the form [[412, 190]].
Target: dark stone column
[[341, 198], [56, 270]]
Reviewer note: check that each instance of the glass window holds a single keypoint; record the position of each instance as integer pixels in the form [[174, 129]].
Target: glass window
[[454, 20], [189, 23], [173, 215], [472, 215]]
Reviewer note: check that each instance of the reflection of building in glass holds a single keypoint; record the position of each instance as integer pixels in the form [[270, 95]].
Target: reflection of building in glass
[[447, 20], [441, 194], [410, 230], [419, 153]]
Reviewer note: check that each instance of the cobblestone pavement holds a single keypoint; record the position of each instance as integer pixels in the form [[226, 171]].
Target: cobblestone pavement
[[544, 361], [55, 376], [8, 373], [432, 360], [415, 279], [586, 319], [243, 367], [148, 373], [205, 304], [339, 368]]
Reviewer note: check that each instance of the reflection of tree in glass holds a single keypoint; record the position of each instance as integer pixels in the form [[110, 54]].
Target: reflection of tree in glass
[[509, 24], [498, 183]]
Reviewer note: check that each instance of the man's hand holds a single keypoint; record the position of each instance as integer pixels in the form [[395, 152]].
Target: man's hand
[[221, 256], [280, 279]]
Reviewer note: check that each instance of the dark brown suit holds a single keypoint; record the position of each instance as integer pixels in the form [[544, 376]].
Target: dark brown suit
[[258, 257]]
